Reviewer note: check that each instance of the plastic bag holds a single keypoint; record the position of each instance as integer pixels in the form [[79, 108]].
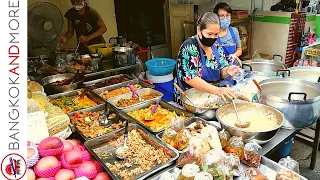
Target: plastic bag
[[254, 174], [251, 156], [189, 171], [182, 139], [290, 163], [224, 138], [233, 162], [236, 146], [169, 137], [285, 174], [213, 163]]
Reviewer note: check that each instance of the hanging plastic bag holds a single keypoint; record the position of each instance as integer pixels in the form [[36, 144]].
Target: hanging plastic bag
[[251, 156]]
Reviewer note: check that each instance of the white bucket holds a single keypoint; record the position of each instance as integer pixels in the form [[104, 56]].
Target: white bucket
[[159, 79]]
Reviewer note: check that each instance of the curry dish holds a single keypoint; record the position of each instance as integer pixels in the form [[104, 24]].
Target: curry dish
[[116, 92], [163, 118], [125, 102], [66, 105], [259, 121]]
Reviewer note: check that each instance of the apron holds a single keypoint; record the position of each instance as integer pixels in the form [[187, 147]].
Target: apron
[[82, 29], [208, 74], [229, 50]]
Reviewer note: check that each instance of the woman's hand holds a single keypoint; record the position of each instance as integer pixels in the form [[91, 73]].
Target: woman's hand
[[233, 70], [225, 92], [233, 57], [83, 39]]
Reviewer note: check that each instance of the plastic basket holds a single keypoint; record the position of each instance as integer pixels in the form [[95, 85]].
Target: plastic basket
[[161, 66]]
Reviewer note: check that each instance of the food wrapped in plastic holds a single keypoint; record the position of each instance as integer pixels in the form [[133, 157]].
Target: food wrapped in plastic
[[286, 174], [188, 172], [212, 162], [233, 162], [254, 174], [251, 156], [224, 138], [182, 139], [236, 146], [290, 163], [203, 176], [166, 176], [169, 136]]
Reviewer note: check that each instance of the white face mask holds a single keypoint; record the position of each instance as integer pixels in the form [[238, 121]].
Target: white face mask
[[78, 7]]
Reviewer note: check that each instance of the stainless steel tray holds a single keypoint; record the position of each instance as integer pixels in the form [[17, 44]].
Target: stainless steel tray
[[90, 95], [91, 83], [124, 84], [100, 107], [114, 100], [162, 104], [99, 141], [185, 123], [268, 167]]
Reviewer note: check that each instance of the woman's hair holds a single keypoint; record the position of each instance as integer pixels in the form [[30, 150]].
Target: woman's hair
[[223, 6], [206, 19]]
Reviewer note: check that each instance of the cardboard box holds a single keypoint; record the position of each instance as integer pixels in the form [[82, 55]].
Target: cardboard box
[[240, 14]]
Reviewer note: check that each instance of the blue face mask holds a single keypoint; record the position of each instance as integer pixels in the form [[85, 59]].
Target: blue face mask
[[224, 23]]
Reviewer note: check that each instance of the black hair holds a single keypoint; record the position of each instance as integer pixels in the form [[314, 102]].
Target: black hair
[[223, 6], [207, 18]]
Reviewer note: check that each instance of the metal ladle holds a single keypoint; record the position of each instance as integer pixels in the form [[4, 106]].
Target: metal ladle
[[181, 91], [120, 152]]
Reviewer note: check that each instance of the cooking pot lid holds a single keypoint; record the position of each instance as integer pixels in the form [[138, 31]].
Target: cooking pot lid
[[263, 65], [290, 90]]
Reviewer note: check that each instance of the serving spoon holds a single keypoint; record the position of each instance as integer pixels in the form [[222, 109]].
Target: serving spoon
[[134, 92], [154, 109], [183, 93], [120, 151]]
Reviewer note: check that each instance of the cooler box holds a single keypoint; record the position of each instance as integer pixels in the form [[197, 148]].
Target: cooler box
[[163, 84]]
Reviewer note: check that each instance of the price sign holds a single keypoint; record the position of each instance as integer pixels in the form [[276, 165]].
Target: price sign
[[185, 2], [37, 128]]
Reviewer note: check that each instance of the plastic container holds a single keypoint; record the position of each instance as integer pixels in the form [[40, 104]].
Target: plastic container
[[164, 84], [161, 66], [285, 149]]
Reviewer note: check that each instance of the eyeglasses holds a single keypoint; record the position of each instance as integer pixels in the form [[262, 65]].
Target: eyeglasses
[[222, 16]]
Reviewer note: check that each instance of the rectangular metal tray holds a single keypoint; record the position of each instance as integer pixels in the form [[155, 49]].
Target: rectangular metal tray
[[268, 167], [114, 100], [162, 104], [97, 142], [124, 84], [90, 95], [91, 83], [100, 107], [185, 123]]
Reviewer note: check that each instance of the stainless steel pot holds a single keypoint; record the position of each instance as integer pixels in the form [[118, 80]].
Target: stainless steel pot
[[124, 56], [198, 98], [59, 77], [263, 67], [307, 73], [298, 100], [260, 137]]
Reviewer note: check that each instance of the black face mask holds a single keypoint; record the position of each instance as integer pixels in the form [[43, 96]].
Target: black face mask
[[207, 41]]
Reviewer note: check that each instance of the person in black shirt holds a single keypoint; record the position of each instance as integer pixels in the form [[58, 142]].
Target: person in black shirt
[[87, 23]]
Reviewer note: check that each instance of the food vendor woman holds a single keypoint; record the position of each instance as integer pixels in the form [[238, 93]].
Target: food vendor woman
[[201, 61], [87, 23], [229, 38]]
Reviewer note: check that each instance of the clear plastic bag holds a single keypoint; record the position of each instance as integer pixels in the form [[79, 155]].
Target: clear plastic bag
[[290, 163], [224, 138], [169, 137], [251, 156], [286, 174], [254, 174], [236, 146], [233, 162], [213, 163]]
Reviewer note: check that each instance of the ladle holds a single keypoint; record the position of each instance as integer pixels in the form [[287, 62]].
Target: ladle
[[120, 152], [183, 93]]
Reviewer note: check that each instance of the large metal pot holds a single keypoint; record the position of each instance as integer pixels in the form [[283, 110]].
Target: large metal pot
[[263, 67], [307, 73], [124, 56], [59, 77], [298, 100], [198, 98], [260, 137]]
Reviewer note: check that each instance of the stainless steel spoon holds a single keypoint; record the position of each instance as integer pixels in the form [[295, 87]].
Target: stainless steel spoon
[[120, 152]]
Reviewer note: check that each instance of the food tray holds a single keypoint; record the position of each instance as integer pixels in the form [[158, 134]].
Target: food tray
[[124, 84], [97, 142], [90, 95], [186, 123], [100, 107], [91, 83], [268, 167], [113, 100], [161, 103]]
